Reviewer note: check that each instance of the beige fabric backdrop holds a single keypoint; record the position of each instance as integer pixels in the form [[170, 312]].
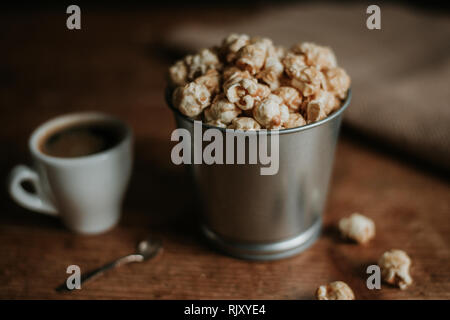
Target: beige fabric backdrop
[[400, 74]]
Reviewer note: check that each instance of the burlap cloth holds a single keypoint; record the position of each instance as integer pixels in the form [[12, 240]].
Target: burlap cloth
[[400, 74]]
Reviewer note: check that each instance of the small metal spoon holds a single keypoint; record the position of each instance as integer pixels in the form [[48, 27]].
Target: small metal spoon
[[146, 249]]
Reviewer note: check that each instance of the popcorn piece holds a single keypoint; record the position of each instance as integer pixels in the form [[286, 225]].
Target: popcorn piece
[[291, 97], [279, 51], [191, 99], [309, 81], [338, 81], [234, 72], [295, 120], [198, 64], [394, 265], [211, 80], [178, 74], [271, 113], [216, 123], [232, 44], [315, 55], [284, 110], [321, 106], [336, 290], [222, 110], [293, 64], [357, 227], [272, 70], [252, 56], [244, 123], [244, 92]]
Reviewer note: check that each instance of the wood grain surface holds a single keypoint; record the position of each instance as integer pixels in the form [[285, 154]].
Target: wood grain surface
[[117, 64]]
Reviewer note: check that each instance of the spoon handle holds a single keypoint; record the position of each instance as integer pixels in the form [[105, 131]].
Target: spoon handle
[[99, 271]]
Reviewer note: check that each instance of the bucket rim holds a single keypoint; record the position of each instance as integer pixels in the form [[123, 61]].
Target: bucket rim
[[333, 115]]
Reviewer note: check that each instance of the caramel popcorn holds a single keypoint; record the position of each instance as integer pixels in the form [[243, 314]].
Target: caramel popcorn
[[279, 51], [338, 81], [244, 123], [252, 56], [272, 70], [291, 97], [357, 227], [295, 120], [394, 265], [271, 113], [232, 44], [321, 106], [191, 99], [211, 80], [315, 55], [198, 64], [293, 64], [309, 81], [222, 110], [235, 72], [252, 78], [178, 73], [336, 290], [244, 92], [216, 123]]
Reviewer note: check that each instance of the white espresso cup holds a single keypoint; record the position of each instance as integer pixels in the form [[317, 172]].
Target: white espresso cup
[[86, 191]]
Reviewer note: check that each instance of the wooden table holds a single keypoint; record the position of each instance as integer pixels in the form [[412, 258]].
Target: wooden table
[[117, 64]]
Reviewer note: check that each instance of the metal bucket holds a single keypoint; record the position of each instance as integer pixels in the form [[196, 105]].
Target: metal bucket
[[267, 217]]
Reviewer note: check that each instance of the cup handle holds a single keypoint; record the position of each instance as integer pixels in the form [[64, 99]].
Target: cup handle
[[31, 201]]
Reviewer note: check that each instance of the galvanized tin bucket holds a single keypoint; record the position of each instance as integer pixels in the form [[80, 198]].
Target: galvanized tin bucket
[[267, 217]]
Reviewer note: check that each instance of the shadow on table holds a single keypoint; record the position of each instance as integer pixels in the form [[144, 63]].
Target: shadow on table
[[371, 142], [160, 195]]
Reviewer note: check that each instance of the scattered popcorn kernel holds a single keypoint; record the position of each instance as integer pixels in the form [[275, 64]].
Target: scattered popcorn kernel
[[178, 74], [191, 99], [291, 97], [232, 44], [222, 110], [271, 113], [336, 290], [357, 227], [309, 81], [338, 81], [315, 55], [252, 56], [244, 123], [394, 265], [295, 120], [198, 64], [211, 80]]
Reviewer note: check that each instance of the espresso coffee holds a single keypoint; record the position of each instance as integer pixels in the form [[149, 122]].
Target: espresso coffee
[[82, 139]]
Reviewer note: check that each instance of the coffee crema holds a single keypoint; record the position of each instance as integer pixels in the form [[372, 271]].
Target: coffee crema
[[82, 139]]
